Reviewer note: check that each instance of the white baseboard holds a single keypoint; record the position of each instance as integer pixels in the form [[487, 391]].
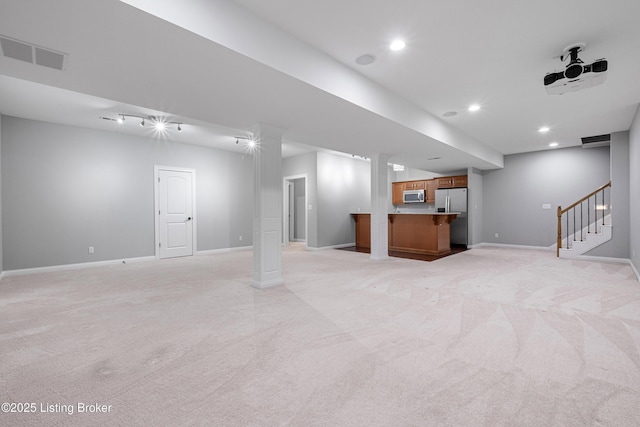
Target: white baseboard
[[635, 271], [344, 245], [48, 269], [602, 259], [224, 250], [503, 245], [25, 271]]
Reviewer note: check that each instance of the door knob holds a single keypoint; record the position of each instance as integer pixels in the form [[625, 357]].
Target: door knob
[[189, 219]]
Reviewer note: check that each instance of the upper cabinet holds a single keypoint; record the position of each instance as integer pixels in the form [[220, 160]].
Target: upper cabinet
[[431, 191], [430, 186], [452, 181], [414, 185], [396, 193]]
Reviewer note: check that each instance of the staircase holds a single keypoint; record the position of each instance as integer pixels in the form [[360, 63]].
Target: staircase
[[584, 224]]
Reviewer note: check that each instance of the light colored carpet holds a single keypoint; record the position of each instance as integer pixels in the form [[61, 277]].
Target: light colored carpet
[[487, 337]]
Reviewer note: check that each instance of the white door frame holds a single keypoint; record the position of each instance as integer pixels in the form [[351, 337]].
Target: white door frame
[[156, 189], [291, 214], [285, 207]]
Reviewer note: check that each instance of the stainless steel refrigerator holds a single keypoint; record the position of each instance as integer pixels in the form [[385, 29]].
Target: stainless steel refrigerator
[[455, 200]]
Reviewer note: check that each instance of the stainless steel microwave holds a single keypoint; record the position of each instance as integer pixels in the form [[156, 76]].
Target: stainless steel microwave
[[413, 196]]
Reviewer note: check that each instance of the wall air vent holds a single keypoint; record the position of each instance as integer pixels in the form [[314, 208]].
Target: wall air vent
[[596, 141], [27, 52]]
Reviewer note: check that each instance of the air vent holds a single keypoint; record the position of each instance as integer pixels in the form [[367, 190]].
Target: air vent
[[23, 51], [596, 141]]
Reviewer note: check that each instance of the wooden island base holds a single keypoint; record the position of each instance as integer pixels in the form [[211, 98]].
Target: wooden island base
[[413, 233]]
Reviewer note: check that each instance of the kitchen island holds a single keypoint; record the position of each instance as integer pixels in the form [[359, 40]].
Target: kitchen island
[[420, 233]]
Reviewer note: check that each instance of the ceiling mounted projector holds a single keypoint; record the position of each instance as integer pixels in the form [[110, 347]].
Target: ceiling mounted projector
[[577, 75]]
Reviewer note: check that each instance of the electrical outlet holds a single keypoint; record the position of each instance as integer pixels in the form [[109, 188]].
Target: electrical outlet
[[240, 238], [497, 236], [91, 250]]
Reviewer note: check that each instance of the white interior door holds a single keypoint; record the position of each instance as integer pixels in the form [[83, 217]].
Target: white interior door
[[175, 213]]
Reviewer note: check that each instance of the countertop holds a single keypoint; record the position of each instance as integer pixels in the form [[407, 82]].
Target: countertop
[[410, 213]]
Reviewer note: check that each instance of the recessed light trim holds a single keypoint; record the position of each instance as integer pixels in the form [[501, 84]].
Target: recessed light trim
[[474, 107], [544, 129], [397, 45], [553, 144]]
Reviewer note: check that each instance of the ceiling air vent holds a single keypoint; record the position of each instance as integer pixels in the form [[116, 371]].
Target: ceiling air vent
[[23, 51], [596, 141]]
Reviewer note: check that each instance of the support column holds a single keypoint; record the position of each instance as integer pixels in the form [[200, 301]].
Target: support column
[[267, 207], [379, 207]]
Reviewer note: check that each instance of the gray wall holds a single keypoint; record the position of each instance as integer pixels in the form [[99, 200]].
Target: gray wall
[[344, 186], [1, 244], [301, 165], [66, 188], [337, 186], [299, 197], [514, 195], [475, 197], [618, 246], [634, 191]]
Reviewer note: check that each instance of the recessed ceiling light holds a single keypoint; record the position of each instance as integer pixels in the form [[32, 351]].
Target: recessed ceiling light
[[474, 107], [543, 129], [450, 113], [553, 144], [397, 45], [365, 59]]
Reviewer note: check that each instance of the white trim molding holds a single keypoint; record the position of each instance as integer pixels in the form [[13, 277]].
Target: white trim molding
[[82, 265], [224, 250], [344, 245]]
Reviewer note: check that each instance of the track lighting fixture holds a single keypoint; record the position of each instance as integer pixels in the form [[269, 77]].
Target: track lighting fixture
[[159, 123], [251, 144]]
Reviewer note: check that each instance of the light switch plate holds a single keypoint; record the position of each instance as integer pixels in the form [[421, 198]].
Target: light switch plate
[[546, 206]]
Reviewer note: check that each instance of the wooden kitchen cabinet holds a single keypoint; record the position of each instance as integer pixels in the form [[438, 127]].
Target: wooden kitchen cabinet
[[430, 194], [452, 181], [396, 193], [429, 186], [414, 185]]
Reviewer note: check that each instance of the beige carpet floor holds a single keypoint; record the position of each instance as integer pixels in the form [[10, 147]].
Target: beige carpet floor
[[487, 337]]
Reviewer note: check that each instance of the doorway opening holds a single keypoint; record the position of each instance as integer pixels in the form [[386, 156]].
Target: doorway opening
[[294, 227]]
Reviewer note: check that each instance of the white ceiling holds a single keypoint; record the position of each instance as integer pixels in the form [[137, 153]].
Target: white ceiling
[[222, 66]]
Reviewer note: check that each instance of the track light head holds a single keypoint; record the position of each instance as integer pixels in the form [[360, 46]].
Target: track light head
[[159, 123]]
